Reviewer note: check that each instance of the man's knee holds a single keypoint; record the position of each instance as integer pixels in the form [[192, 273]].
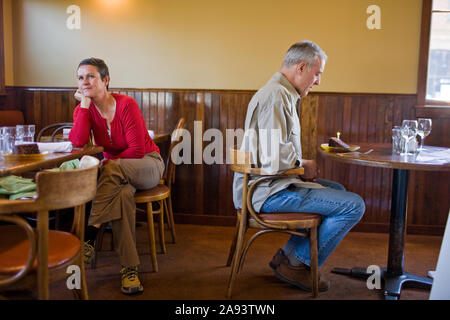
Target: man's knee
[[358, 206]]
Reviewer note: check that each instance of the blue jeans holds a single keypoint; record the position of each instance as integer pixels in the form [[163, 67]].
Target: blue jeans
[[340, 210]]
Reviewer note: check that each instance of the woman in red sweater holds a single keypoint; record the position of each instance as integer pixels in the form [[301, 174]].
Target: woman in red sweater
[[132, 161]]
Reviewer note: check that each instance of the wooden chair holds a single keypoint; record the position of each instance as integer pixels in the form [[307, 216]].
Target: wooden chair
[[46, 255], [53, 129], [160, 194], [10, 118], [274, 222]]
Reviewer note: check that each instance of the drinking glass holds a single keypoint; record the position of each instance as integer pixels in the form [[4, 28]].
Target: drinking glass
[[20, 133], [409, 132], [7, 139], [29, 133], [424, 129], [397, 140]]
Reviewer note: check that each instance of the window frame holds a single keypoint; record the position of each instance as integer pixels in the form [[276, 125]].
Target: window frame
[[427, 108], [2, 53]]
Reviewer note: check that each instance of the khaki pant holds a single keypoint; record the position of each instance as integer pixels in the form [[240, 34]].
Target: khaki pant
[[114, 201]]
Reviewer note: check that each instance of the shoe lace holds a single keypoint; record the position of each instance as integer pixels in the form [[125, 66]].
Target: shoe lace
[[88, 249], [129, 273]]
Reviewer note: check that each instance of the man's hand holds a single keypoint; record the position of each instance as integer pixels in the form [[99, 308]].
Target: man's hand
[[311, 170], [85, 101]]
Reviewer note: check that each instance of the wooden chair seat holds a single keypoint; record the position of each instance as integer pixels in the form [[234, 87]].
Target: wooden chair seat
[[154, 194], [292, 220], [15, 247]]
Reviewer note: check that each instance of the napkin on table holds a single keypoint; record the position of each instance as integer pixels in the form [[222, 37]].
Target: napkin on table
[[65, 146]]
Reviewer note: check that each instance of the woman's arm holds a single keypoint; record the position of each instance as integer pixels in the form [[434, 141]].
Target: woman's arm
[[134, 127], [81, 130]]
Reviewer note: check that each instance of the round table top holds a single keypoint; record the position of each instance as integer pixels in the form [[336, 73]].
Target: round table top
[[430, 159]]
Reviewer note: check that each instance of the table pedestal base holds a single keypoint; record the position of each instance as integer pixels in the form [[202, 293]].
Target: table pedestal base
[[392, 283]]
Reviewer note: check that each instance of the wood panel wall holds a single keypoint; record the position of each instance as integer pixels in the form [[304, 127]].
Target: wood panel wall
[[203, 193]]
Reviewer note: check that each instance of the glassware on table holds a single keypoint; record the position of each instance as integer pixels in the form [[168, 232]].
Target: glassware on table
[[20, 133], [424, 129], [397, 140], [409, 132], [30, 130], [8, 136]]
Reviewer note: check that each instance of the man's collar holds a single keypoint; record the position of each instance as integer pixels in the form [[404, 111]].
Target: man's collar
[[281, 79]]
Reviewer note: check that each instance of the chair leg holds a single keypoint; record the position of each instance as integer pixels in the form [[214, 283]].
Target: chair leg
[[233, 244], [42, 269], [84, 288], [314, 261], [237, 256], [169, 211], [151, 236], [98, 245], [162, 241]]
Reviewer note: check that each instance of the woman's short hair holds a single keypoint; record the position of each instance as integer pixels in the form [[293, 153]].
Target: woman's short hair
[[99, 64], [306, 51]]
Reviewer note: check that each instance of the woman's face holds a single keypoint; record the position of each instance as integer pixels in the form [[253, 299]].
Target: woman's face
[[90, 82]]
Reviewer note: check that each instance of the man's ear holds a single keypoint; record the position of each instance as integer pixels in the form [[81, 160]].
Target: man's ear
[[301, 67]]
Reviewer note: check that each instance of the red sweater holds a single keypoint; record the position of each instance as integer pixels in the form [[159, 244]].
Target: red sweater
[[129, 136]]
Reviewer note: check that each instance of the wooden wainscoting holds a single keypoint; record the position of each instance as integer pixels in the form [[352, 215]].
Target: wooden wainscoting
[[203, 193]]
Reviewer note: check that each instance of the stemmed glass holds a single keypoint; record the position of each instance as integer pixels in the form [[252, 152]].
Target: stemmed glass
[[409, 132], [424, 129]]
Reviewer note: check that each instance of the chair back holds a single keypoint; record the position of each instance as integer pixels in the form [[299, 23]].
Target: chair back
[[66, 189], [169, 174], [54, 129], [11, 118]]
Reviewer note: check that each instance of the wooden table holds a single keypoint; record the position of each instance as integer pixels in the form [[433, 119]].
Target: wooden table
[[381, 156], [54, 159], [49, 161]]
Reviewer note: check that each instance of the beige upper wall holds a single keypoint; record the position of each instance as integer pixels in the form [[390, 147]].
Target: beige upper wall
[[8, 43], [214, 44]]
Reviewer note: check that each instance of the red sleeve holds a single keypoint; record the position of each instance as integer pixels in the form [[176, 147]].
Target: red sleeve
[[79, 134], [133, 124]]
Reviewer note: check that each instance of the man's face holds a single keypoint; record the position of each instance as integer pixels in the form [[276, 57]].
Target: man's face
[[306, 78]]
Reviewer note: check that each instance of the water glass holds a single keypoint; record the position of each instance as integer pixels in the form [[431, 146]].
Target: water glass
[[409, 132], [30, 130], [7, 139], [20, 133], [397, 140]]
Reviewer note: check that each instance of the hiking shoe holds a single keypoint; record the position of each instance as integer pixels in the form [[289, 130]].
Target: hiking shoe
[[88, 252], [130, 281], [300, 277], [277, 259]]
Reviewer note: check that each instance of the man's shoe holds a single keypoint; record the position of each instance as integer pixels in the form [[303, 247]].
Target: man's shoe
[[277, 259], [88, 252], [299, 277], [130, 281]]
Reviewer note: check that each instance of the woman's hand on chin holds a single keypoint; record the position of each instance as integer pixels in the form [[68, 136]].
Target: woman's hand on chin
[[84, 101]]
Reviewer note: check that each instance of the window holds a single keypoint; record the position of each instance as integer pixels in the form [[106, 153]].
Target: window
[[438, 79], [434, 64], [2, 55]]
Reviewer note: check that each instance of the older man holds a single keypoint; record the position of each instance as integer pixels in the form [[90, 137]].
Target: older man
[[274, 109]]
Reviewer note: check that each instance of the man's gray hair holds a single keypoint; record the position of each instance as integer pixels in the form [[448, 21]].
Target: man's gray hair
[[306, 51]]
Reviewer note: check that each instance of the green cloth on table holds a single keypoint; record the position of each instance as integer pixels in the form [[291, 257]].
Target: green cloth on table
[[68, 165], [14, 187]]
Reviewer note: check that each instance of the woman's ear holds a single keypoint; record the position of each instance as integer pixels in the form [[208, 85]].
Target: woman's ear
[[106, 81]]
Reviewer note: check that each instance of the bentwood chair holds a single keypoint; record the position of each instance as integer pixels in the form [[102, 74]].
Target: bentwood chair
[[30, 259], [286, 222], [160, 194], [53, 129]]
